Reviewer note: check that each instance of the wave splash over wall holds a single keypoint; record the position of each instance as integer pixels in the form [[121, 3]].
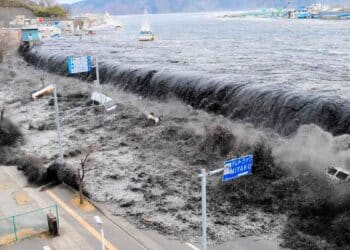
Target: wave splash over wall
[[283, 110]]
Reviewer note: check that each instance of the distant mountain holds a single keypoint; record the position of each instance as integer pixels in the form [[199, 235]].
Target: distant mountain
[[121, 7]]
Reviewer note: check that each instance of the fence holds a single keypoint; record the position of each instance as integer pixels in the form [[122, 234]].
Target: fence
[[26, 225]]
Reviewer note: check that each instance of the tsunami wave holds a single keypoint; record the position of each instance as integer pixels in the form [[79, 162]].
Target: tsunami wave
[[282, 110]]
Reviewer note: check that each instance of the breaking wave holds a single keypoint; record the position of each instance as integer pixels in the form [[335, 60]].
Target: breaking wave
[[283, 110]]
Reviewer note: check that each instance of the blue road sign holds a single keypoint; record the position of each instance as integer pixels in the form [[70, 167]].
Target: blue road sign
[[238, 167], [79, 64]]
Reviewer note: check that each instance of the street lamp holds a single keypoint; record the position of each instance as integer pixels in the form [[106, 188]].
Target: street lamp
[[49, 90], [99, 222]]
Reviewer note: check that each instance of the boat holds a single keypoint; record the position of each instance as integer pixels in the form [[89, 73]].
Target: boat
[[112, 21], [146, 33], [301, 13]]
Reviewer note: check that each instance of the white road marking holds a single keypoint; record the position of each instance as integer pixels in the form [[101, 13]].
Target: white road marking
[[192, 246]]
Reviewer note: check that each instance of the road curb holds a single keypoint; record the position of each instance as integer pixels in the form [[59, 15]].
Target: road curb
[[143, 240]]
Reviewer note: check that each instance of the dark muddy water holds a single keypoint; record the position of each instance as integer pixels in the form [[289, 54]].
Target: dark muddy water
[[278, 74]]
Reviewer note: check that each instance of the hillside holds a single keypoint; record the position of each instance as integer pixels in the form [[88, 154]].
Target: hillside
[[15, 4], [32, 7], [168, 6]]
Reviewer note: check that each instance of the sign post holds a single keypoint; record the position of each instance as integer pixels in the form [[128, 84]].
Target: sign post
[[84, 64], [233, 169]]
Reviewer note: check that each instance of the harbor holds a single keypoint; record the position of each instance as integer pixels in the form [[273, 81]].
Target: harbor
[[313, 11]]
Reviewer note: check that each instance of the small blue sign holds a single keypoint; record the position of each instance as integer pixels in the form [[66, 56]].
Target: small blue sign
[[79, 64], [238, 167]]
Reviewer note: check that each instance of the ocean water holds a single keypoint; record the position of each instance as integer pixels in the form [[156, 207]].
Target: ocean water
[[275, 73]]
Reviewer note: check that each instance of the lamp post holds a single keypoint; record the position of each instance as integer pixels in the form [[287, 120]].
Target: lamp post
[[99, 222], [58, 126], [51, 89]]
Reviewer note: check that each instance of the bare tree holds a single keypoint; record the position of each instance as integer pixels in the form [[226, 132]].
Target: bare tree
[[4, 44], [82, 170]]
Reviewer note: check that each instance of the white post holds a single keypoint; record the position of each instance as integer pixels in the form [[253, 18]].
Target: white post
[[204, 210], [97, 74], [58, 127], [100, 223], [103, 238]]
